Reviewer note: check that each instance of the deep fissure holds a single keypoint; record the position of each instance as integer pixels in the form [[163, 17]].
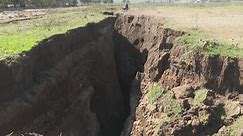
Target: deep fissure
[[68, 87], [89, 80]]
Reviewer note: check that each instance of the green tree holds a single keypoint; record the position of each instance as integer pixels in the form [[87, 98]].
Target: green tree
[[4, 3]]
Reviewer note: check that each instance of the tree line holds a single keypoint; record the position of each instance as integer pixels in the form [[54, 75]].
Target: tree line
[[46, 3], [36, 3]]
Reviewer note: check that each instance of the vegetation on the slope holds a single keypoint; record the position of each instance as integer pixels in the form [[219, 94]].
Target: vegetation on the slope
[[207, 44], [163, 120], [203, 117], [17, 37], [155, 93], [166, 98], [235, 129], [200, 97], [236, 126], [169, 108], [170, 105]]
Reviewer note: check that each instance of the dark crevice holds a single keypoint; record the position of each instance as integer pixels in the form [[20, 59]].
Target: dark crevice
[[84, 82], [88, 80], [129, 61], [163, 64], [79, 83]]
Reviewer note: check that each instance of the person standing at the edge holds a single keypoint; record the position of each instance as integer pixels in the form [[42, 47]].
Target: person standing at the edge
[[126, 6]]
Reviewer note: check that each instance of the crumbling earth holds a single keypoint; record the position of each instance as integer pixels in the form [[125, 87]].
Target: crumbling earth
[[125, 75], [183, 94]]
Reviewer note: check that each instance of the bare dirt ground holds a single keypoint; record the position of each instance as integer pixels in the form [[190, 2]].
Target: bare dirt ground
[[223, 21]]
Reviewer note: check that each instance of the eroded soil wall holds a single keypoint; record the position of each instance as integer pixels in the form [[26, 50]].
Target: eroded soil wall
[[169, 66], [89, 80], [167, 61], [70, 83]]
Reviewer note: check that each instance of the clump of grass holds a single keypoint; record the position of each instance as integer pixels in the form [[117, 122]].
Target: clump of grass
[[236, 126], [235, 129], [170, 105], [167, 105], [164, 119], [170, 109], [200, 97], [203, 117], [206, 43], [155, 93], [227, 108]]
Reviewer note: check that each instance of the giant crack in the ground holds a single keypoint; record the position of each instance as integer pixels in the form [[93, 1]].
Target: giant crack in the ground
[[89, 81]]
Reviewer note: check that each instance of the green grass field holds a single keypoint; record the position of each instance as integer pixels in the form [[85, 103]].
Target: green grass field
[[209, 44], [20, 36]]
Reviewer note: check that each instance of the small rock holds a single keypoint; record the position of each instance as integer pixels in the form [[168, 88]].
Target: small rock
[[152, 108], [195, 122], [161, 108], [222, 129], [233, 108], [183, 91], [228, 122], [189, 122], [240, 96]]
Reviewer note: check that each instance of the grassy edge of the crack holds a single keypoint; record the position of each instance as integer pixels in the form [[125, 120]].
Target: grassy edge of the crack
[[194, 40]]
